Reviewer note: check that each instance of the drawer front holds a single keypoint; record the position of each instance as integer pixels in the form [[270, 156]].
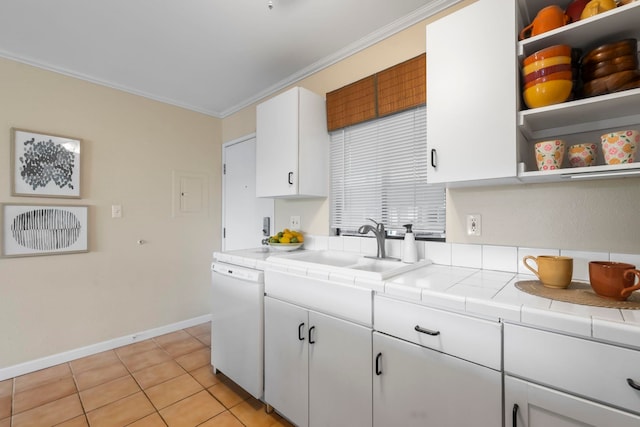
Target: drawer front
[[466, 337], [596, 370], [347, 302]]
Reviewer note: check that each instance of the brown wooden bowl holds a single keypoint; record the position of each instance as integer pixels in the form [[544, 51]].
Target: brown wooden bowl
[[611, 83], [610, 51], [604, 68]]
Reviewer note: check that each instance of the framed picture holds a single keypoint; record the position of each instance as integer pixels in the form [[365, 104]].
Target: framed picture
[[44, 165], [43, 229]]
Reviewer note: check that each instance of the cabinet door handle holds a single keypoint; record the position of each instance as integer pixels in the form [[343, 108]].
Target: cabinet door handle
[[378, 368], [514, 415], [300, 336], [290, 178], [311, 341], [426, 331], [633, 384], [434, 158]]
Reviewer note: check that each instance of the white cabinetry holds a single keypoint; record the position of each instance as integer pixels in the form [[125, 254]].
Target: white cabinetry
[[557, 380], [317, 367], [472, 94], [292, 145], [416, 383], [478, 131]]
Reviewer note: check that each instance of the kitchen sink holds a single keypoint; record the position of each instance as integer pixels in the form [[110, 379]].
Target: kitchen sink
[[348, 263]]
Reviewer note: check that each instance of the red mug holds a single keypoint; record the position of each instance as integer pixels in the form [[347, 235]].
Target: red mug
[[549, 18], [613, 280]]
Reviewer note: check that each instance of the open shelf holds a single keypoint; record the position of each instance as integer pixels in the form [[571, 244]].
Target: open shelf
[[624, 170]]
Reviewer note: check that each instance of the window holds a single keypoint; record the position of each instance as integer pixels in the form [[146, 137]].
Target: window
[[379, 171]]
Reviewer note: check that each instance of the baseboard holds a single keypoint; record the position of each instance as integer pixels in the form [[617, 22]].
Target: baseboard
[[56, 359]]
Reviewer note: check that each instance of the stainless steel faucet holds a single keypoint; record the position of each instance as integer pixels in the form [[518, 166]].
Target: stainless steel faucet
[[380, 234]]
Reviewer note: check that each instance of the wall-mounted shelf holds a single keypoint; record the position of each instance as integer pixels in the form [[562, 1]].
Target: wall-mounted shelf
[[625, 170]]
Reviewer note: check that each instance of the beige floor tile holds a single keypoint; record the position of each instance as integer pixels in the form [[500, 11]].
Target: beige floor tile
[[50, 414], [163, 340], [252, 413], [6, 387], [181, 347], [94, 361], [169, 392], [157, 374], [106, 393], [228, 393], [153, 420], [225, 419], [121, 412], [201, 329], [139, 347], [192, 411], [195, 360], [205, 376], [94, 377], [138, 361], [48, 392], [205, 339], [40, 377], [80, 421]]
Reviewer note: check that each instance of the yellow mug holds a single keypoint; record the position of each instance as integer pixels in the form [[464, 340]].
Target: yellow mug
[[553, 271]]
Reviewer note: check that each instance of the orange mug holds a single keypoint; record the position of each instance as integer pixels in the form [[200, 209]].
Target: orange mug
[[549, 18], [614, 280]]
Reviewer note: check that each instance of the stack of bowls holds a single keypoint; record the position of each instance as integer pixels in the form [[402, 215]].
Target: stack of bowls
[[547, 76], [610, 68]]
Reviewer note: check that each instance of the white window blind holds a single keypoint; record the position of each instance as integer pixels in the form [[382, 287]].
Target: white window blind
[[379, 171]]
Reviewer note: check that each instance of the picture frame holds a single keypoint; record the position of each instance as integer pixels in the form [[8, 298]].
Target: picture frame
[[44, 165], [42, 229]]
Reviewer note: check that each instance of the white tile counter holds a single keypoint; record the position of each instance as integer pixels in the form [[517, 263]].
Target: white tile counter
[[492, 294]]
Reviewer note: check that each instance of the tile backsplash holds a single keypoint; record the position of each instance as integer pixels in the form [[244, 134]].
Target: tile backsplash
[[488, 257]]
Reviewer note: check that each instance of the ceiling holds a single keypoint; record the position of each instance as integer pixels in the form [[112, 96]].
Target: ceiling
[[211, 56]]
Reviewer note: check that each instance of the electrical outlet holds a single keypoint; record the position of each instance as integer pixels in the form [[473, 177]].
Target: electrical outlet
[[294, 223], [116, 211], [474, 225]]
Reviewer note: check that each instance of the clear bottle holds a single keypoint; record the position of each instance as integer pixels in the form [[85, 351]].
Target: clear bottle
[[409, 250]]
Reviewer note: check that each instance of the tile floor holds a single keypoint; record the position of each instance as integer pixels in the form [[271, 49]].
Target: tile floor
[[164, 381]]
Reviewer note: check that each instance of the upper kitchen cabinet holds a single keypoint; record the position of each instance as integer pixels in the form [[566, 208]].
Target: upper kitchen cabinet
[[292, 146], [472, 94]]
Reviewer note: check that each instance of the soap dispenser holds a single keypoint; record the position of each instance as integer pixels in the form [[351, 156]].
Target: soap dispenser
[[409, 250]]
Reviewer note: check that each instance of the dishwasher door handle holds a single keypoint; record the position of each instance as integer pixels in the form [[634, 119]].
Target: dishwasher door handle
[[422, 330]]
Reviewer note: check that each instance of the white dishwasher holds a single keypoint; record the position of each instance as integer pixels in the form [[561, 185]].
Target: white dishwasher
[[237, 325]]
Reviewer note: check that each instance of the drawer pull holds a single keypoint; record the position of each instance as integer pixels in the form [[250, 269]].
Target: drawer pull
[[426, 331], [514, 415], [300, 336], [633, 384], [378, 369]]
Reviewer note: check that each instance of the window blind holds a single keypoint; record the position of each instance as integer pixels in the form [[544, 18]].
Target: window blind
[[379, 171]]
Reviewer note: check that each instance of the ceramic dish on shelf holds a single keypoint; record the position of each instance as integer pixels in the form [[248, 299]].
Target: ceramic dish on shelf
[[285, 247]]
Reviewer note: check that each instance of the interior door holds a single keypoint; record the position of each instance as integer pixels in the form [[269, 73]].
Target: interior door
[[242, 211]]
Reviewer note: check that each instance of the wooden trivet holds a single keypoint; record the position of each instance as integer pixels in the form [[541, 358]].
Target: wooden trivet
[[578, 293]]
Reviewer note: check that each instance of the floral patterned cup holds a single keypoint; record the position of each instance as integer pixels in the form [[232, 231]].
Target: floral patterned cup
[[620, 147], [581, 155], [549, 154]]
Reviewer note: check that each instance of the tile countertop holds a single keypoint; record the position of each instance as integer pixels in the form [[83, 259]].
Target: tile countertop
[[484, 293]]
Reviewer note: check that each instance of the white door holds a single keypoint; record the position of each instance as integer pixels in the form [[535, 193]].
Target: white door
[[339, 373], [286, 360], [242, 211]]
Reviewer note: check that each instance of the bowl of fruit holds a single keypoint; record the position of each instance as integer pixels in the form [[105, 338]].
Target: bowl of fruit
[[286, 240]]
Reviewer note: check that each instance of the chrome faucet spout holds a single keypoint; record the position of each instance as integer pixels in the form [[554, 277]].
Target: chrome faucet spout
[[380, 234]]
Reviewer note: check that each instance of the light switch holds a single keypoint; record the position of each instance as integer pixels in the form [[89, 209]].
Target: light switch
[[116, 211]]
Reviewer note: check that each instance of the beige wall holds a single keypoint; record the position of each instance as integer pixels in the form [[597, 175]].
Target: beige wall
[[130, 146], [594, 215]]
